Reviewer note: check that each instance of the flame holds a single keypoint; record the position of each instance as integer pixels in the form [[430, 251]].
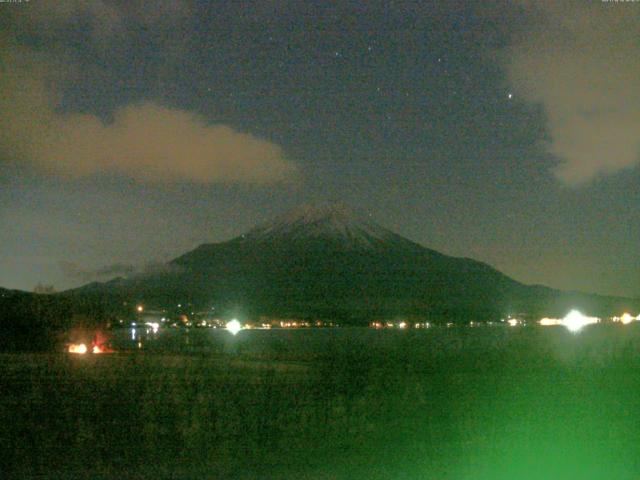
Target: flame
[[100, 344], [101, 348], [78, 348]]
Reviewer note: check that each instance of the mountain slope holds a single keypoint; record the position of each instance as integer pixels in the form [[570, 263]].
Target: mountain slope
[[328, 262]]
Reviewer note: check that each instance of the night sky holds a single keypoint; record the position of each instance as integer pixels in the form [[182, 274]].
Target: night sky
[[132, 131]]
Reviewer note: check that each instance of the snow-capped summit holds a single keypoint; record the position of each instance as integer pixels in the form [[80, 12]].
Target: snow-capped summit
[[334, 221]]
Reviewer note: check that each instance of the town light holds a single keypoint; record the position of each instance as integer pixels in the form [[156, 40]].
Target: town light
[[155, 326], [234, 326], [626, 318], [546, 322], [574, 321]]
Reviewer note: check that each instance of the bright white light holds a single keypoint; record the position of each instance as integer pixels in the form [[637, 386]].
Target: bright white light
[[513, 322], [574, 321], [626, 318], [403, 325], [547, 322], [78, 348], [154, 326], [234, 326]]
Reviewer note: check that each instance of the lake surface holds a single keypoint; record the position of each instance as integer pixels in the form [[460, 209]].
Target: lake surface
[[540, 345]]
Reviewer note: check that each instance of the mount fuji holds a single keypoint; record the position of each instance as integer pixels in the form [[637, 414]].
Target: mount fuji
[[328, 262]]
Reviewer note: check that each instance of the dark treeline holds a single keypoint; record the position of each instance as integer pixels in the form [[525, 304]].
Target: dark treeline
[[38, 322]]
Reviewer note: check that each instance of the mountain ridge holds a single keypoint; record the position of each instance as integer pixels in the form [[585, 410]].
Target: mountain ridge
[[330, 262]]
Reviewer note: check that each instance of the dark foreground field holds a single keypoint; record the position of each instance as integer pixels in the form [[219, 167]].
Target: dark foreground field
[[484, 403]]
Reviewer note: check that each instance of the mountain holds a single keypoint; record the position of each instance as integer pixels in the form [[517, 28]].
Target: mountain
[[329, 262], [332, 222]]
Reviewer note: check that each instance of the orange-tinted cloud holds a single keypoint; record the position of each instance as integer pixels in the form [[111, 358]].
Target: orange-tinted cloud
[[147, 141]]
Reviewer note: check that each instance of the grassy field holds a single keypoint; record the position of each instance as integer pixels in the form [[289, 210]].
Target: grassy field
[[484, 403]]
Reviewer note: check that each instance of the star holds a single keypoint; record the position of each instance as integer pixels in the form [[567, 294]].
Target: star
[[510, 96]]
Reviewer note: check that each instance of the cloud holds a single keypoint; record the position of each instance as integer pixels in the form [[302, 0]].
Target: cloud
[[77, 272], [581, 61], [108, 272], [103, 20], [146, 141]]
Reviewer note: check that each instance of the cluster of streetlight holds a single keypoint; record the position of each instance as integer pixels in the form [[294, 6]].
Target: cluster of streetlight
[[574, 321]]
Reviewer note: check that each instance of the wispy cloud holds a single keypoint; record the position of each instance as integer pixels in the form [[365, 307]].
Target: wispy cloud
[[76, 271], [581, 61], [106, 22]]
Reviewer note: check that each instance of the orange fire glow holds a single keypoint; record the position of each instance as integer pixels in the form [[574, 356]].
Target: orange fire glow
[[78, 348], [99, 344]]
